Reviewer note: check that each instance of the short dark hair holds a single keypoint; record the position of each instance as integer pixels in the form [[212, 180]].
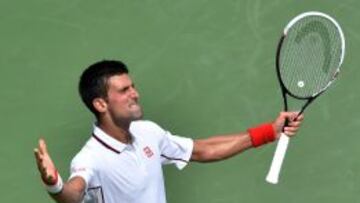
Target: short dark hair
[[94, 81]]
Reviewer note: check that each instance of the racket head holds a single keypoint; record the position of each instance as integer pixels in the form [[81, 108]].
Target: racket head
[[309, 55]]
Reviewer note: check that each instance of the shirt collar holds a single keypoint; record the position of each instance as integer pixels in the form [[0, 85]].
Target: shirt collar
[[107, 141]]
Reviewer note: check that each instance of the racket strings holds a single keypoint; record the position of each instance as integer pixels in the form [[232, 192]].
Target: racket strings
[[310, 56]]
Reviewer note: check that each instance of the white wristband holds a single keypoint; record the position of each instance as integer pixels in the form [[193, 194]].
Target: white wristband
[[57, 187]]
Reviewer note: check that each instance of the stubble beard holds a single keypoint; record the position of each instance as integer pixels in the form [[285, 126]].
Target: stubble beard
[[121, 121]]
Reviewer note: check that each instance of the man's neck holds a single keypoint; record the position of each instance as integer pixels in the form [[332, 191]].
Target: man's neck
[[120, 133]]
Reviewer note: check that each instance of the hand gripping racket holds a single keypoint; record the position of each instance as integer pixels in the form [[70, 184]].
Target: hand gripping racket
[[308, 59]]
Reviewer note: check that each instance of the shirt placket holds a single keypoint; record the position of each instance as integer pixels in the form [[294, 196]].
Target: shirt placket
[[136, 154]]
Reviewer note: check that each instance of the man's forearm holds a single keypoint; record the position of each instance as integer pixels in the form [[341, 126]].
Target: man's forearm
[[224, 146], [220, 147]]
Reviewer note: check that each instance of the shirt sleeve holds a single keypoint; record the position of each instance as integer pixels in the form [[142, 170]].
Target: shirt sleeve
[[175, 150], [81, 167]]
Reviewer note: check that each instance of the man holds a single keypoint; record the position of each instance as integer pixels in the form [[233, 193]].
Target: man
[[122, 161]]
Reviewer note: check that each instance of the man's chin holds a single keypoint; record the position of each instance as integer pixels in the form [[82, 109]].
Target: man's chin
[[125, 121], [137, 116]]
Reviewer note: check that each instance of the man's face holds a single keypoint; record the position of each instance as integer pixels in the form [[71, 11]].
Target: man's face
[[122, 99]]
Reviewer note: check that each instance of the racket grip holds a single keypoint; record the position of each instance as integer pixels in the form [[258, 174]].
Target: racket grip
[[273, 175]]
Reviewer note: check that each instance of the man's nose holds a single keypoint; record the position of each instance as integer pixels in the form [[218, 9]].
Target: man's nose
[[134, 93]]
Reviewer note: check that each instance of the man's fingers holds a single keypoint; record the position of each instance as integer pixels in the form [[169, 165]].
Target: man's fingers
[[44, 163], [288, 115], [300, 117], [42, 146], [289, 133], [47, 174], [39, 157], [290, 130], [292, 116], [40, 161], [36, 153], [294, 124]]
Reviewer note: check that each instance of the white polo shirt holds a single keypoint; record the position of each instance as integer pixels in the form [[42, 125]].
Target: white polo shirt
[[115, 172]]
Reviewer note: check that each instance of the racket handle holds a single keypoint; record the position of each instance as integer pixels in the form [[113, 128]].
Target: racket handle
[[273, 175]]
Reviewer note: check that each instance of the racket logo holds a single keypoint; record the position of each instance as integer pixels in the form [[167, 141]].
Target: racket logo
[[318, 32]]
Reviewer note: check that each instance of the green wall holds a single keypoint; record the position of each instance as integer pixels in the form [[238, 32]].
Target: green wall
[[202, 68]]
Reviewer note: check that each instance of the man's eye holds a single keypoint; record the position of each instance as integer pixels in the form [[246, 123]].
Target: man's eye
[[124, 90]]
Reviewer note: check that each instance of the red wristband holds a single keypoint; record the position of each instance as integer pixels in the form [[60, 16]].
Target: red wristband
[[262, 134]]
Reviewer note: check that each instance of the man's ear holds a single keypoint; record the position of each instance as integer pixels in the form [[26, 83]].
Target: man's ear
[[100, 105]]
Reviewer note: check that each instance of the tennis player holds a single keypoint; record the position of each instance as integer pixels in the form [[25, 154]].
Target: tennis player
[[122, 160]]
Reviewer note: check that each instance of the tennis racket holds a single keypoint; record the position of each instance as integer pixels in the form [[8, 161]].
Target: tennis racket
[[308, 59]]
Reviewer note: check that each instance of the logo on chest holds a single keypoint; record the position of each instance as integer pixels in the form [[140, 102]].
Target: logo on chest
[[148, 152]]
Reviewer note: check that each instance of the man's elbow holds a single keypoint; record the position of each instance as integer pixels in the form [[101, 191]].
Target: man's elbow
[[203, 152]]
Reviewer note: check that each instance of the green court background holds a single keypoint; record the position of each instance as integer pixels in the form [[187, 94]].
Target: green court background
[[202, 68]]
